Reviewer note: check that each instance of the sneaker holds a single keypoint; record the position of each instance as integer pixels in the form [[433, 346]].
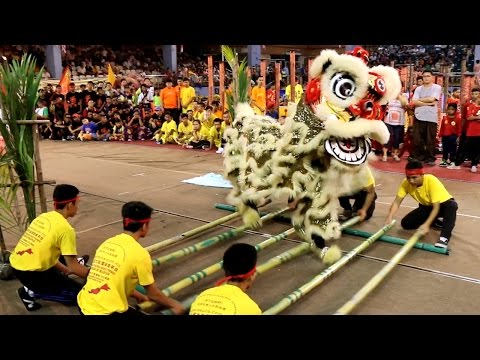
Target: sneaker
[[396, 158], [384, 158], [442, 243], [219, 151], [473, 169], [83, 260], [430, 163], [453, 167], [27, 300], [443, 164]]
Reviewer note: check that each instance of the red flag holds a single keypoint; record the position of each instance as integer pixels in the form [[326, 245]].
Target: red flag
[[65, 80]]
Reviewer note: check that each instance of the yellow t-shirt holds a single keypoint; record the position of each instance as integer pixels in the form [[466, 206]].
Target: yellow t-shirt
[[168, 126], [260, 97], [216, 136], [48, 236], [432, 191], [370, 178], [186, 94], [224, 300], [298, 92], [207, 122], [186, 130], [202, 134], [120, 264]]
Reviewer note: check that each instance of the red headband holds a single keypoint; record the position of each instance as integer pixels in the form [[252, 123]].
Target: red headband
[[56, 202], [129, 221], [413, 172], [242, 276]]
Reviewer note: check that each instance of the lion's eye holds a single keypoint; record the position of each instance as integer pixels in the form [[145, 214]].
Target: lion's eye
[[343, 85]]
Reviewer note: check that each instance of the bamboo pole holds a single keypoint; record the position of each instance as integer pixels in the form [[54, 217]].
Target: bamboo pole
[[24, 183], [191, 233], [38, 168], [281, 217], [325, 274], [374, 281], [212, 241], [29, 122], [273, 262], [397, 241], [150, 306], [17, 204]]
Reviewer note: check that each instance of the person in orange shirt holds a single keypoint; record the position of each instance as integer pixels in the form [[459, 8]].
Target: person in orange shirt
[[169, 99], [258, 100]]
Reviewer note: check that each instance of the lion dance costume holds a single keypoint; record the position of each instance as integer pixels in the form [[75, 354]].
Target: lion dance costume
[[319, 154]]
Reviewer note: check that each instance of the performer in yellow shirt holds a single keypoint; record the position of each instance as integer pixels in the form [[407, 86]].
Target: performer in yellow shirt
[[216, 136], [364, 200], [36, 258], [434, 201], [239, 264], [120, 264]]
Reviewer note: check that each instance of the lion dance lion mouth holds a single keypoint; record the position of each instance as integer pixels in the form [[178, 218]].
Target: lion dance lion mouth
[[349, 151]]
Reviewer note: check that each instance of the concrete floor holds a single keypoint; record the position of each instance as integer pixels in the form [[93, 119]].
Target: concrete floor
[[110, 174]]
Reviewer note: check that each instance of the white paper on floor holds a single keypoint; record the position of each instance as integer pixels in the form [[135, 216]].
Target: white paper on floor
[[210, 179]]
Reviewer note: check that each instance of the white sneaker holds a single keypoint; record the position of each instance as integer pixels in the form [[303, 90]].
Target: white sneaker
[[219, 151], [453, 167], [473, 169]]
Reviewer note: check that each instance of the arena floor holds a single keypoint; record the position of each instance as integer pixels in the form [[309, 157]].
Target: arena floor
[[110, 174]]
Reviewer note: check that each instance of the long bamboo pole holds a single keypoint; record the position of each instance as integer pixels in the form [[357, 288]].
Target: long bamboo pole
[[397, 241], [273, 262], [38, 168], [374, 281], [150, 306], [325, 274], [191, 233], [212, 241], [293, 70]]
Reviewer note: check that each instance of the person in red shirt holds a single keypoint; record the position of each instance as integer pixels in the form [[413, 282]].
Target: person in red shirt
[[450, 131], [473, 133], [464, 149]]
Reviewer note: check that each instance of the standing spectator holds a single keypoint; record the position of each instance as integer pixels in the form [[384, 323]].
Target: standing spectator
[[450, 130], [170, 101], [425, 101], [395, 121], [258, 100]]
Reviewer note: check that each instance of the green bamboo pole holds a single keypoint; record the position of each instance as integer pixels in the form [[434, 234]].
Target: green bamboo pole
[[280, 217], [192, 232], [206, 243], [149, 306], [398, 241], [277, 260], [374, 281], [325, 274], [212, 241]]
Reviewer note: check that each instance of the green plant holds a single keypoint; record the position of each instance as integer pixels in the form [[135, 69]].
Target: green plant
[[240, 79], [19, 84]]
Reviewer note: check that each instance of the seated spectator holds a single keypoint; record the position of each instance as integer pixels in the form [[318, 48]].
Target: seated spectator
[[88, 131]]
